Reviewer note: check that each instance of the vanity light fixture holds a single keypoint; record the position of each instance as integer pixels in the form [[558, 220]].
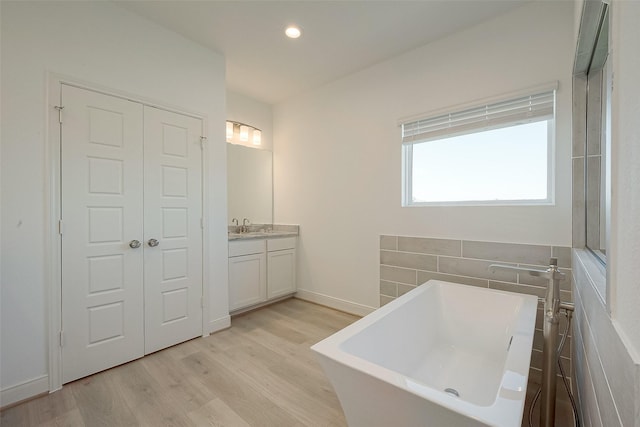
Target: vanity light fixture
[[293, 32], [239, 133]]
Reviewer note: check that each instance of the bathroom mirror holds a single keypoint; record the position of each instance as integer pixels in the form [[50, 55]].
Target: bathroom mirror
[[249, 184]]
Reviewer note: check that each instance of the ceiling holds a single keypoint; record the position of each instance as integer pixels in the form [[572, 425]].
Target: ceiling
[[338, 37]]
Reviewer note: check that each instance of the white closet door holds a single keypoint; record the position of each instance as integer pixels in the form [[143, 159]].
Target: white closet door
[[172, 216], [102, 195]]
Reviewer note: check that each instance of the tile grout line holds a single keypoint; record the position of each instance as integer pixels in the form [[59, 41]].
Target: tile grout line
[[461, 256]]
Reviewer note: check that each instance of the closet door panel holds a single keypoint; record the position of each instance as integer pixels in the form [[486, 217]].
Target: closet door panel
[[173, 233], [102, 206]]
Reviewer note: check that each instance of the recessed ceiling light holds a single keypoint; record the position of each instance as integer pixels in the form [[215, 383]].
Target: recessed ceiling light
[[292, 32]]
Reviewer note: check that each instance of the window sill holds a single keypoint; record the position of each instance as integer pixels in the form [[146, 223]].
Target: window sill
[[500, 203]]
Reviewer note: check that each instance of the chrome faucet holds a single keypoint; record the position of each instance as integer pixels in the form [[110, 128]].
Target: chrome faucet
[[245, 225], [235, 220], [552, 305]]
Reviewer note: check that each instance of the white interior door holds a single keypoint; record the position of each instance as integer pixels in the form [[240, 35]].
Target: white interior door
[[102, 212], [131, 189], [172, 218]]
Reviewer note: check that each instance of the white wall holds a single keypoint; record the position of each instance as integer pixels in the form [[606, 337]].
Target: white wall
[[606, 346], [97, 42], [625, 165], [337, 156]]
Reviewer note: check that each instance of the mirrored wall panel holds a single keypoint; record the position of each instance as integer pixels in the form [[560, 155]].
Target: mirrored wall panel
[[249, 184]]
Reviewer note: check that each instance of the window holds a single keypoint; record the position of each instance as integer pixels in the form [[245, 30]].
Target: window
[[598, 144], [498, 153]]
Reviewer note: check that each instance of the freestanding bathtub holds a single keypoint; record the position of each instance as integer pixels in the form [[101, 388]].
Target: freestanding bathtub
[[441, 355]]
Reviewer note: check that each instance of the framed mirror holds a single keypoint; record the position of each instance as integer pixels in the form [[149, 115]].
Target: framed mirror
[[249, 184]]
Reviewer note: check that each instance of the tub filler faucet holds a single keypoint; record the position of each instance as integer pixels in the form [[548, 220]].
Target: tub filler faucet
[[552, 305]]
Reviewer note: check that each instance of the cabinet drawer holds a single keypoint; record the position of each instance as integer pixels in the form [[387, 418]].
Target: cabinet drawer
[[246, 247], [280, 244]]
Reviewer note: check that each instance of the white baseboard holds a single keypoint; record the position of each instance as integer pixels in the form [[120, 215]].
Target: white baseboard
[[332, 302], [23, 391], [219, 324]]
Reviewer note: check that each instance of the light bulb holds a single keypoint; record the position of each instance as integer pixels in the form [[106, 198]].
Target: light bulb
[[257, 137], [293, 32], [229, 131], [244, 133]]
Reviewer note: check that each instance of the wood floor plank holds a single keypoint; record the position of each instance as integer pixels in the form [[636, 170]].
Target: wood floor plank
[[99, 404], [260, 372], [53, 406], [311, 328], [290, 389], [15, 416], [145, 398], [177, 383], [315, 315], [254, 407], [217, 414], [71, 418], [252, 330], [298, 367]]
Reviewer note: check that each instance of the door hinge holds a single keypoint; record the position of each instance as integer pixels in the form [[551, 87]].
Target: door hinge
[[203, 140], [60, 227], [61, 339], [612, 80], [202, 223], [59, 108]]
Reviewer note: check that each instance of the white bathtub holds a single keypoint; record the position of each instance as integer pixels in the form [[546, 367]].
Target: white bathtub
[[391, 368]]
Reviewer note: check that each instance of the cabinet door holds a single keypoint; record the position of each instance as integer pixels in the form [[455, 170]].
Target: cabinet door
[[281, 267], [247, 280]]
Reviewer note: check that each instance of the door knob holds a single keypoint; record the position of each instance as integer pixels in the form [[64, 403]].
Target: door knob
[[153, 243], [134, 244]]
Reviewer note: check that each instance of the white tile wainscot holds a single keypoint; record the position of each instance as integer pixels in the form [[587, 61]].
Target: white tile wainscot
[[261, 271]]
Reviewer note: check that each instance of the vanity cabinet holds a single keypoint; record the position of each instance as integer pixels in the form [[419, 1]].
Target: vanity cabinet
[[260, 270]]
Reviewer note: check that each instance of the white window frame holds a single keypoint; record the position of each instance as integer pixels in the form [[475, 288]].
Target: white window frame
[[407, 150]]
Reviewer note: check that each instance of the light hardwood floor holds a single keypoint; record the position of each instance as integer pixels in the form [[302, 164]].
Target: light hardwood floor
[[259, 372]]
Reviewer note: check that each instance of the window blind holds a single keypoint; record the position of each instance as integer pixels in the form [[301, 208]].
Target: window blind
[[526, 109]]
